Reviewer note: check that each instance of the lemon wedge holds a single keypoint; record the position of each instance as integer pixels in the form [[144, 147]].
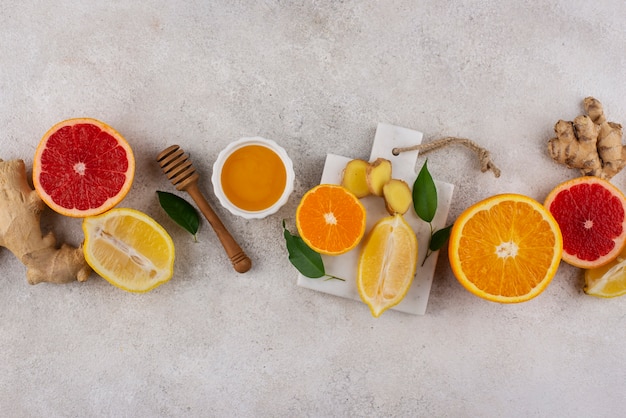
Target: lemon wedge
[[387, 264], [607, 281], [129, 249]]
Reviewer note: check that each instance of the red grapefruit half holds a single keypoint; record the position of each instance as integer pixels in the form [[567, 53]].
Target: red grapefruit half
[[82, 167], [591, 213]]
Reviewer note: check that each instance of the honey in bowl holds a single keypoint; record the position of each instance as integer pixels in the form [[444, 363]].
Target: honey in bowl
[[253, 177]]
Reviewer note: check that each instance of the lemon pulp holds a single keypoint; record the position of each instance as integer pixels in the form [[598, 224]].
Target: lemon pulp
[[387, 264], [607, 281], [128, 249]]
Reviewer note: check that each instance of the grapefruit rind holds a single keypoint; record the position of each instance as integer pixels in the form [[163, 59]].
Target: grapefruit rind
[[619, 241], [112, 201], [456, 234], [95, 229], [359, 210]]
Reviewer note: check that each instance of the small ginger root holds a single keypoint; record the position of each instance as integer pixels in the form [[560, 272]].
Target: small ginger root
[[398, 197], [355, 177], [20, 232], [590, 143], [378, 173]]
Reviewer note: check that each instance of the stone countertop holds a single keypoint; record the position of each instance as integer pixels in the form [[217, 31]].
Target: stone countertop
[[316, 77]]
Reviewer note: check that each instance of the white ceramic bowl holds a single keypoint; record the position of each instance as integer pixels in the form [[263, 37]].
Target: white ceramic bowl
[[219, 165]]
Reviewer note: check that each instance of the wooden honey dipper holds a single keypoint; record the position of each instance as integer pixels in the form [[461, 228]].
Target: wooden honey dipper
[[182, 174]]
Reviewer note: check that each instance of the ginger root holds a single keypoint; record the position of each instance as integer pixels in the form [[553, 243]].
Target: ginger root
[[589, 143], [20, 232]]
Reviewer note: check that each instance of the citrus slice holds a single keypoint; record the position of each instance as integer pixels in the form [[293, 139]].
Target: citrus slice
[[505, 248], [591, 213], [330, 219], [82, 167], [129, 249], [387, 264], [609, 280]]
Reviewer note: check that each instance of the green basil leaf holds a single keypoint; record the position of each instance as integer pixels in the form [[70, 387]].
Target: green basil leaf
[[181, 211], [307, 261], [425, 195], [439, 238]]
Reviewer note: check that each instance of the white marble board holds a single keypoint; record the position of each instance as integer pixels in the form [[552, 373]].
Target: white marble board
[[386, 139]]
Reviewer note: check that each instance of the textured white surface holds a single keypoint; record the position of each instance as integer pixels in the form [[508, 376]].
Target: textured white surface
[[316, 77]]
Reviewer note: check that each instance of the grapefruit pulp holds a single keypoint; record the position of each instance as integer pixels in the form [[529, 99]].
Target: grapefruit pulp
[[82, 167], [591, 213]]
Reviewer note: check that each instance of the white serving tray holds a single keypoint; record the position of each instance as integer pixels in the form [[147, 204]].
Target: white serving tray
[[387, 138]]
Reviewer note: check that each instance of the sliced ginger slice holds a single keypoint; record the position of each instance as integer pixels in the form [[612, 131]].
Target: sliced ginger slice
[[355, 177], [378, 173], [398, 196]]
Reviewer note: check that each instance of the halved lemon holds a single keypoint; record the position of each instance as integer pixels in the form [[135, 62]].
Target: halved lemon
[[387, 264], [129, 249]]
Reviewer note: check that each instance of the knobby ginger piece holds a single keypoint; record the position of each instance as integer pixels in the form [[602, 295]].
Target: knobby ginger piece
[[590, 143], [610, 148], [20, 232]]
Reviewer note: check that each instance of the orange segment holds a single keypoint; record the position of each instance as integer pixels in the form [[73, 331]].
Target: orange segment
[[387, 264], [505, 248], [330, 219], [82, 167]]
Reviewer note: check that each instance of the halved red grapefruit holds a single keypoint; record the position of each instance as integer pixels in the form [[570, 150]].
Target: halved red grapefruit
[[591, 213], [83, 167]]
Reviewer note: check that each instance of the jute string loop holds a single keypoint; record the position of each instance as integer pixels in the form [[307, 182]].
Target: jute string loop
[[484, 156]]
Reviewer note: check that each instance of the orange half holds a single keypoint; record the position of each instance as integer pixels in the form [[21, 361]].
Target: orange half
[[506, 248], [330, 219]]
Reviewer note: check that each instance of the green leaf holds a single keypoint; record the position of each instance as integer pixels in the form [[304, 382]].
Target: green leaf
[[307, 261], [425, 195], [181, 211], [439, 238]]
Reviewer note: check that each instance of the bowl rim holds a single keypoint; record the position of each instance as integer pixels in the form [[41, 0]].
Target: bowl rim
[[218, 165]]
